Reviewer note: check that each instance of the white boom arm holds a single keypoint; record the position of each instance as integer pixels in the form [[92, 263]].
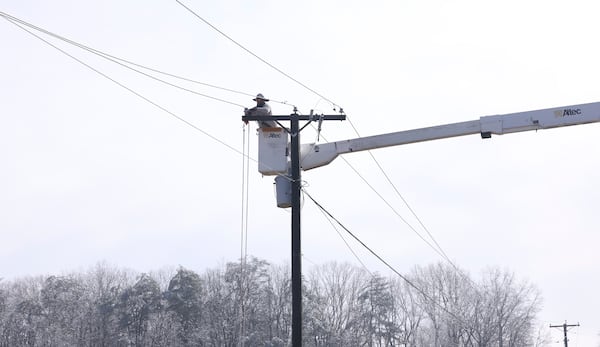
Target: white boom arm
[[312, 155]]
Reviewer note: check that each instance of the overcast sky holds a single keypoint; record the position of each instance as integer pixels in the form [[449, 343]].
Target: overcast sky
[[91, 172]]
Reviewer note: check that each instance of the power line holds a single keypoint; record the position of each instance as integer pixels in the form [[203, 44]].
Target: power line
[[343, 239], [6, 17], [393, 209], [409, 282], [121, 62], [255, 55], [134, 92], [244, 234], [438, 251], [409, 207], [441, 250]]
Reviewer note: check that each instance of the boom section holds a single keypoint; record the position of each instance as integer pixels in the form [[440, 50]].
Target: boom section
[[316, 155]]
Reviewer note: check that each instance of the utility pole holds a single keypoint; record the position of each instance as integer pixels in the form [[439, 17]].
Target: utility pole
[[294, 132], [565, 329]]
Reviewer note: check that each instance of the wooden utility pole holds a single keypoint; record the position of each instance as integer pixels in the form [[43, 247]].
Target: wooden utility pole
[[565, 329], [294, 132]]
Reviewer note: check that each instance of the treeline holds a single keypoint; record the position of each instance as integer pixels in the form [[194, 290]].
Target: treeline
[[344, 305]]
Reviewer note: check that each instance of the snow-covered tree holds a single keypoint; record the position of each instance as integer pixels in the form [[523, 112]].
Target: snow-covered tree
[[136, 306], [250, 303], [62, 298], [184, 298]]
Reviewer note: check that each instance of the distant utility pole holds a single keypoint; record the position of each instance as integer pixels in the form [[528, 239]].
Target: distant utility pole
[[565, 329], [294, 132]]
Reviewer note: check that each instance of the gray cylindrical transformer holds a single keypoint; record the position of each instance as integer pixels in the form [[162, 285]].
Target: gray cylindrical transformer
[[283, 189]]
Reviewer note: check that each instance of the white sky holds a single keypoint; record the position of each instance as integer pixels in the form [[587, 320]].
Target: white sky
[[91, 172]]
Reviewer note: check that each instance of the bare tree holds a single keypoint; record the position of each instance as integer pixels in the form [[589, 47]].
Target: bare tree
[[278, 306], [514, 306], [332, 300], [408, 312], [444, 297], [252, 283], [221, 315]]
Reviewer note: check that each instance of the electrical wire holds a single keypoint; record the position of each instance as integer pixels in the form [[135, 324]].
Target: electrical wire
[[247, 198], [438, 251], [254, 54], [172, 114], [410, 208], [244, 233], [408, 281], [122, 62], [387, 177], [245, 195], [308, 259], [243, 221], [343, 239], [162, 108], [394, 210]]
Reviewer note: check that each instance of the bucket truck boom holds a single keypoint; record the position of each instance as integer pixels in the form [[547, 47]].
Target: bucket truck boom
[[316, 155]]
